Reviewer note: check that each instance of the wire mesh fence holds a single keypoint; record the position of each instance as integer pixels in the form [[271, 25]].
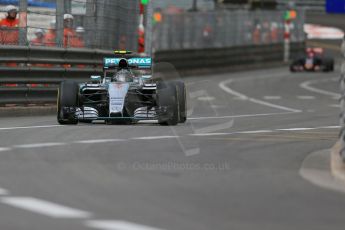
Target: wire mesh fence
[[101, 24], [197, 30], [110, 24], [309, 5]]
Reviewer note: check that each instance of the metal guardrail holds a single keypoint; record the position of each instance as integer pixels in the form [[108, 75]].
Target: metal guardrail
[[342, 103], [241, 56], [28, 70], [28, 95], [51, 55], [82, 63]]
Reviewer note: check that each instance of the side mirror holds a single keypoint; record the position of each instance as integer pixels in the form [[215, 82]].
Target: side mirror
[[96, 79]]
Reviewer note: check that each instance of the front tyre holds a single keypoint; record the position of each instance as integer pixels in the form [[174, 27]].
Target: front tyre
[[167, 101], [182, 103], [67, 102]]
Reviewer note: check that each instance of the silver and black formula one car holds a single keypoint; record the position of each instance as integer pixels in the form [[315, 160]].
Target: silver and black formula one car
[[313, 60], [126, 93]]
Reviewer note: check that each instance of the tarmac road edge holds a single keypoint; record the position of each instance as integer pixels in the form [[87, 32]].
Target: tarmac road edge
[[337, 164]]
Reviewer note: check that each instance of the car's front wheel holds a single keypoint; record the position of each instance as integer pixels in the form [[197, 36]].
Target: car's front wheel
[[182, 103], [167, 101], [67, 100]]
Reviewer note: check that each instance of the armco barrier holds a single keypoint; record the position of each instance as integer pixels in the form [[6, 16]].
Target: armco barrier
[[54, 75], [51, 55], [27, 71], [183, 60], [28, 95], [227, 57], [342, 103]]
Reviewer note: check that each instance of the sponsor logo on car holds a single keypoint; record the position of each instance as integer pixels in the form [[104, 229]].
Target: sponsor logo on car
[[132, 61]]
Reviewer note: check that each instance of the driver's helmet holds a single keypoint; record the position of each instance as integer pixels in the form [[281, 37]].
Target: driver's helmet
[[310, 53], [124, 75]]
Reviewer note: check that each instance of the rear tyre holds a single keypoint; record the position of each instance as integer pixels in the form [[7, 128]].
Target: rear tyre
[[67, 98], [167, 101], [182, 103], [292, 69], [331, 65], [328, 65]]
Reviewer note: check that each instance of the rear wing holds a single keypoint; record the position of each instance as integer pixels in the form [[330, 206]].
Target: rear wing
[[139, 62]]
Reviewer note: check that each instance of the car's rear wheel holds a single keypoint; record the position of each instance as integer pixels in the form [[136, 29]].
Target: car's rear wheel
[[167, 101], [292, 68], [326, 64], [330, 65], [67, 98]]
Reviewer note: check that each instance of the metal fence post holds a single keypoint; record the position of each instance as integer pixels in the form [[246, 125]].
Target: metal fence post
[[90, 23], [68, 6], [60, 6], [149, 29], [23, 9], [287, 41]]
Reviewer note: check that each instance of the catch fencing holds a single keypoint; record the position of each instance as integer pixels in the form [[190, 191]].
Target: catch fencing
[[200, 30], [101, 24], [309, 5]]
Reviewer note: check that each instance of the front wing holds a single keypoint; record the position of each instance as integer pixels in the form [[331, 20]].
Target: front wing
[[142, 113]]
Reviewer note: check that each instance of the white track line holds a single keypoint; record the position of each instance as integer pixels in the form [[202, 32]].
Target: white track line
[[262, 131], [272, 97], [4, 192], [117, 225], [329, 127], [44, 207], [98, 141], [274, 105], [239, 116], [154, 138], [224, 87], [335, 106], [215, 128], [31, 127], [206, 98], [208, 134], [296, 129], [306, 97], [256, 132], [5, 149], [307, 86], [38, 145]]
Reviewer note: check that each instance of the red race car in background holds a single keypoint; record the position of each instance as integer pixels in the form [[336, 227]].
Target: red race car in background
[[313, 60]]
